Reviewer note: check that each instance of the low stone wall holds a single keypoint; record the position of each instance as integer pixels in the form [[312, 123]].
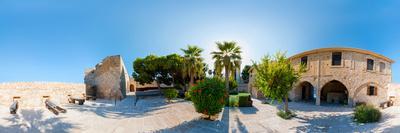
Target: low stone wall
[[32, 94]]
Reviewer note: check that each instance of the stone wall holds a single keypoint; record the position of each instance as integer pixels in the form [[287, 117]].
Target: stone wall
[[394, 91], [31, 93], [108, 80]]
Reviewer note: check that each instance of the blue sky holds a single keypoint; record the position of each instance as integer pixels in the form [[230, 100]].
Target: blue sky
[[57, 41]]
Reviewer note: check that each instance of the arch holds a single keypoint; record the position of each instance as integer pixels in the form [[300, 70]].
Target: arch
[[304, 91], [132, 88], [334, 91], [364, 86]]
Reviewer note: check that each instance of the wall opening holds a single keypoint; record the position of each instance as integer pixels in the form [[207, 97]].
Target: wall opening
[[132, 88], [334, 92], [305, 92]]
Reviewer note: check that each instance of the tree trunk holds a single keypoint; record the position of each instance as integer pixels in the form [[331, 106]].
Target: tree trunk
[[286, 104], [159, 87], [227, 78]]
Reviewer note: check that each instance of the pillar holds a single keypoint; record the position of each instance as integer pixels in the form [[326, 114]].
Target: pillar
[[318, 98]]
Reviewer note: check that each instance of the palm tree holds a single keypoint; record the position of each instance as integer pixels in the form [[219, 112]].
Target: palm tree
[[227, 57], [193, 63]]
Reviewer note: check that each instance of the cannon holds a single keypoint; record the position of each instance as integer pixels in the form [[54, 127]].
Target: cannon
[[14, 107]]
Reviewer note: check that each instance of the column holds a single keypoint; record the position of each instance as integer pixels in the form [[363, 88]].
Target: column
[[318, 98]]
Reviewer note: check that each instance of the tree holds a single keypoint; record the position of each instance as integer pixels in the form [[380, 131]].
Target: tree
[[228, 57], [193, 63], [174, 65], [276, 76], [162, 69], [149, 69], [245, 73]]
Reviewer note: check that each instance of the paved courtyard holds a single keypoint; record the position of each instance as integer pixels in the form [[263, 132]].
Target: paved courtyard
[[152, 114]]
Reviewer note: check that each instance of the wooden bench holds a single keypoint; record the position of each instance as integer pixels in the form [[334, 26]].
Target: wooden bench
[[54, 108], [386, 104], [90, 97], [73, 100], [14, 107]]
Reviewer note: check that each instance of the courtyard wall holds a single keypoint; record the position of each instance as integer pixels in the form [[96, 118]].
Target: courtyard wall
[[31, 93]]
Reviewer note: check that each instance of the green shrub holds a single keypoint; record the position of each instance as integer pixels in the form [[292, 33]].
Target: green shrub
[[208, 96], [232, 84], [170, 93], [187, 96], [366, 114], [285, 115], [240, 100], [244, 100], [233, 101]]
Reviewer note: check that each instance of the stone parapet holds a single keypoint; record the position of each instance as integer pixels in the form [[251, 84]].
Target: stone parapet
[[33, 94]]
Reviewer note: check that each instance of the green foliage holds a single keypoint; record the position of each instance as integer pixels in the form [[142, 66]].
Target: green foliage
[[170, 94], [366, 114], [173, 65], [245, 73], [240, 100], [187, 96], [163, 69], [233, 101], [244, 100], [285, 115], [232, 84], [193, 66], [275, 77], [228, 57], [208, 96]]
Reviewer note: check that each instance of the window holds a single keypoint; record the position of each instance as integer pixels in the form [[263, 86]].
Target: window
[[370, 64], [372, 91], [304, 60], [336, 58], [382, 67]]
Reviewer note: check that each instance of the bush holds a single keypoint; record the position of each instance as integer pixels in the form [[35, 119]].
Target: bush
[[232, 84], [170, 93], [366, 114], [244, 100], [240, 100], [233, 101], [187, 96], [285, 115], [208, 96]]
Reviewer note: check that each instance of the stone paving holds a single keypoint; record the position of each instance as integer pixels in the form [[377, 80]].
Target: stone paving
[[152, 114]]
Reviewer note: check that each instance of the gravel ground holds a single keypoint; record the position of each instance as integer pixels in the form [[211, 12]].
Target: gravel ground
[[152, 114]]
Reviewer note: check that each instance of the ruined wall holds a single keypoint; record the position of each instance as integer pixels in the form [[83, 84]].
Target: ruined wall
[[31, 93], [108, 80]]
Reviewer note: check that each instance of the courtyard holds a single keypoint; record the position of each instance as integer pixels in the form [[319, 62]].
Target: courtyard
[[153, 114]]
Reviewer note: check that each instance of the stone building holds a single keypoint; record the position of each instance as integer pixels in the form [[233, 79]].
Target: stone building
[[340, 75], [108, 80]]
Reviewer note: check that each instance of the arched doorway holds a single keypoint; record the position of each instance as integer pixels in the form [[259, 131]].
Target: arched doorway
[[132, 88], [305, 92], [334, 92]]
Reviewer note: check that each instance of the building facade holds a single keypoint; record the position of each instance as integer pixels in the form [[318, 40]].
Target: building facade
[[341, 75]]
